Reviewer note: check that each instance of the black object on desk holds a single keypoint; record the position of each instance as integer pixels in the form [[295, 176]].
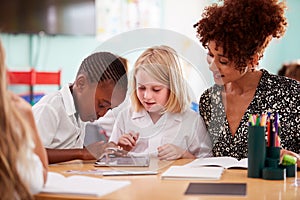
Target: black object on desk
[[217, 189]]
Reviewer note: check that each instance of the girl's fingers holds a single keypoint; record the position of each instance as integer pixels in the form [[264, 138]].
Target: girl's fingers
[[134, 136], [130, 139], [125, 141]]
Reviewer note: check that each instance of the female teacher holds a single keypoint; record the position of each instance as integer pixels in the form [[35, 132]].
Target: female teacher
[[236, 34]]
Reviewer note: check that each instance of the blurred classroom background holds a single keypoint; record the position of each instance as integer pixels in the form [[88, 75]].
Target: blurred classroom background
[[56, 35]]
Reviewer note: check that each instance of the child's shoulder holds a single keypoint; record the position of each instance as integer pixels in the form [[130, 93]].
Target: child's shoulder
[[188, 114], [50, 99]]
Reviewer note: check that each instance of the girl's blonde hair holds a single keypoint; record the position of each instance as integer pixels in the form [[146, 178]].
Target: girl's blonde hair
[[162, 63], [15, 141]]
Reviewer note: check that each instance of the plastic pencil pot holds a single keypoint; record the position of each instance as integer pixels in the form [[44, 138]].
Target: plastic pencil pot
[[256, 151]]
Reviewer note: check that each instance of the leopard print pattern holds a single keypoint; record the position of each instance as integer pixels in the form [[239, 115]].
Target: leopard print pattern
[[274, 93]]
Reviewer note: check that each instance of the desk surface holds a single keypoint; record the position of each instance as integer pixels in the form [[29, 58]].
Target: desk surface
[[152, 187]]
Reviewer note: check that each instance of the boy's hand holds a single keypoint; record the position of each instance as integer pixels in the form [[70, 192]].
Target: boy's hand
[[170, 152], [95, 150], [128, 141]]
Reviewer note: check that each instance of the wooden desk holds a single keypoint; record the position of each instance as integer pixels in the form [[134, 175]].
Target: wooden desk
[[153, 188]]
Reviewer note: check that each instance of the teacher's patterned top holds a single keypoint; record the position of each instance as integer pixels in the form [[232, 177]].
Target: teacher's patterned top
[[274, 93]]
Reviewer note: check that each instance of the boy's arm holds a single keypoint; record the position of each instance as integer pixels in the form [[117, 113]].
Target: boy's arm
[[62, 155], [91, 152]]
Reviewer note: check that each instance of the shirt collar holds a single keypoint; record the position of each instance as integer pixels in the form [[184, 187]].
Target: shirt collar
[[68, 100], [170, 116]]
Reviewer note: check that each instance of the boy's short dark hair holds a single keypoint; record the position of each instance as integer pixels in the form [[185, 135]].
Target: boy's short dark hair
[[101, 66]]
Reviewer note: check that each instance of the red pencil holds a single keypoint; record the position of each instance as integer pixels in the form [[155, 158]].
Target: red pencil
[[269, 131]]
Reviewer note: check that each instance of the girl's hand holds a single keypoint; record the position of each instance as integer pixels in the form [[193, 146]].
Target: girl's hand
[[128, 141], [170, 152]]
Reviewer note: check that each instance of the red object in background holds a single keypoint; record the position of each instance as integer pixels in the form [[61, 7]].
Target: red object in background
[[32, 78]]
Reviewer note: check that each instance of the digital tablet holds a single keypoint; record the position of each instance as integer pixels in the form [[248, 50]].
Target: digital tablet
[[127, 161]]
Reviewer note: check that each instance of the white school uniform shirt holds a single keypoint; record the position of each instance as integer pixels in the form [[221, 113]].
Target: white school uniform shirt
[[57, 124], [30, 169], [107, 121], [186, 130]]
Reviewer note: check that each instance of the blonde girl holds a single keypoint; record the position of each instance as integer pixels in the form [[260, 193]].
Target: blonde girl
[[159, 121], [23, 159]]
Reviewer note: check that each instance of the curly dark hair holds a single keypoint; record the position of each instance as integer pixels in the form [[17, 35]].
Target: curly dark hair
[[243, 28]]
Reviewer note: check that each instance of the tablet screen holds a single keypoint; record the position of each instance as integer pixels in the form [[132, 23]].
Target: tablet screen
[[128, 161]]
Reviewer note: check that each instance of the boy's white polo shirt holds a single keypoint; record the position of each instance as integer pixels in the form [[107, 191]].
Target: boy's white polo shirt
[[56, 121]]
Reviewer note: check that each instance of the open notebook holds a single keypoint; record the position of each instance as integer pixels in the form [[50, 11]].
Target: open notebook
[[192, 173], [225, 162], [81, 185]]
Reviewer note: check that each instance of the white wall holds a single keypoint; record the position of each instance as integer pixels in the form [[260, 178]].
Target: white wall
[[181, 15]]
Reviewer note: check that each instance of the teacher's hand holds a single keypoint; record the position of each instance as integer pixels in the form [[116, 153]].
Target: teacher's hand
[[287, 152]]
